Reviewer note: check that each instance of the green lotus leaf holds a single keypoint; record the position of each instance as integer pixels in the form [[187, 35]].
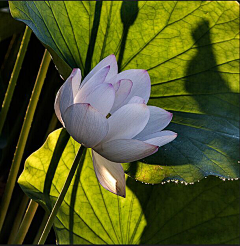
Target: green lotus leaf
[[191, 51], [204, 213]]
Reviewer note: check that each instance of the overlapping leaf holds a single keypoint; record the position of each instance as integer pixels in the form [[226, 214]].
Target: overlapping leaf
[[191, 50], [204, 213]]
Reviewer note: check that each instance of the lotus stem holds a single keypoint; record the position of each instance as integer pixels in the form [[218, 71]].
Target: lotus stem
[[18, 219], [26, 222], [16, 225], [62, 195], [14, 76], [23, 136]]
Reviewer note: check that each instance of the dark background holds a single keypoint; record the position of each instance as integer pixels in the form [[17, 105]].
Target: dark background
[[9, 46]]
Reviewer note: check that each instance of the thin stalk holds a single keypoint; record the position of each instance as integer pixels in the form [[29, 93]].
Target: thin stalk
[[41, 228], [18, 219], [19, 239], [23, 136], [61, 196], [26, 222], [14, 76]]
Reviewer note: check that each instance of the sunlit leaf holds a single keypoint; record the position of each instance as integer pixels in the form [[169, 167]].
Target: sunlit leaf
[[204, 213], [191, 51]]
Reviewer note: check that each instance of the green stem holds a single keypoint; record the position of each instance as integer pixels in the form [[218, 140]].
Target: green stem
[[26, 222], [23, 206], [14, 76], [41, 228], [18, 218], [23, 136], [61, 196]]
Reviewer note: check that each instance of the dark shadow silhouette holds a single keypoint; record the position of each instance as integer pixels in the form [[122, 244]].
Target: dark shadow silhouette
[[129, 12], [202, 75], [201, 80], [60, 146], [94, 31]]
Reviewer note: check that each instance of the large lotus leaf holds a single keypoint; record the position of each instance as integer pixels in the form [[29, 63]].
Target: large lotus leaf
[[204, 213], [191, 51]]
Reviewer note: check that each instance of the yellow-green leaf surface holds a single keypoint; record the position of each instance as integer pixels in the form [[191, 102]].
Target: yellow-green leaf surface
[[191, 51], [204, 213]]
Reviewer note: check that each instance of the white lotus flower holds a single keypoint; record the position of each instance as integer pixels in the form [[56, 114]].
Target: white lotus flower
[[132, 132]]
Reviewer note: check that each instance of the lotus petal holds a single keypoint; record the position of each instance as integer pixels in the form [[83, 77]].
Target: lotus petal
[[159, 138], [110, 174], [125, 150], [85, 124], [102, 98], [108, 61], [136, 99], [158, 120], [57, 108], [141, 83], [127, 121], [97, 79], [123, 90], [69, 90]]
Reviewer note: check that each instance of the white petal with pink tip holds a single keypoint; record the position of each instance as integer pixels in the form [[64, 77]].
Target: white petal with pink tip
[[132, 132], [125, 150], [108, 61], [97, 79], [159, 138], [141, 83], [101, 98], [158, 120]]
